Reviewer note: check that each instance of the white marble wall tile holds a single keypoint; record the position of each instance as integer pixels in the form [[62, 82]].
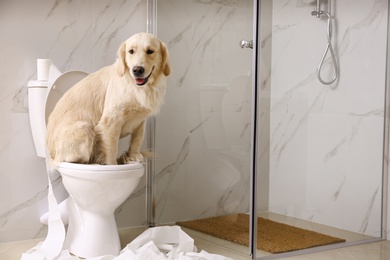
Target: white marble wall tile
[[76, 35]]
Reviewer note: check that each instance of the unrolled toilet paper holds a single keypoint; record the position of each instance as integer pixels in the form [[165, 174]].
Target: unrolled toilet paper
[[158, 243], [52, 246]]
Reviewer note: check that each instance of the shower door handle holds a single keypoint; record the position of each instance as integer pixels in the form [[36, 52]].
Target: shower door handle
[[246, 44]]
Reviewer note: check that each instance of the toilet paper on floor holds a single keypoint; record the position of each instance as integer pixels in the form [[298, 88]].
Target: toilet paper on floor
[[167, 242], [158, 243], [166, 238], [161, 243]]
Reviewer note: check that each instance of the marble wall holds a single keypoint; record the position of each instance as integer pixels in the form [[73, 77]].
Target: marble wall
[[326, 142], [76, 35]]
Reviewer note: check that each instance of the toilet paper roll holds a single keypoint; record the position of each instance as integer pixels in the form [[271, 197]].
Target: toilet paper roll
[[43, 69]]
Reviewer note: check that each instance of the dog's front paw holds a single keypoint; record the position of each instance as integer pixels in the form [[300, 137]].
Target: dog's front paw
[[132, 158], [136, 157]]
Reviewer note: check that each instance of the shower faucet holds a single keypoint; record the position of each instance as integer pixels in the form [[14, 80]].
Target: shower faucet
[[317, 13]]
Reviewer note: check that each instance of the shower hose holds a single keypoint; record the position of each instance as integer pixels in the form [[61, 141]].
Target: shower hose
[[328, 48]]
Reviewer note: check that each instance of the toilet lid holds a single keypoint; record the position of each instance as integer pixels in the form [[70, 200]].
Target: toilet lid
[[62, 84]]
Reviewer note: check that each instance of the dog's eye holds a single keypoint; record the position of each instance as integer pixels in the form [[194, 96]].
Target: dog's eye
[[131, 51], [149, 51]]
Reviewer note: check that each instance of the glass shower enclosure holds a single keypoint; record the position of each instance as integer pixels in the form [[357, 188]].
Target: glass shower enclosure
[[254, 132]]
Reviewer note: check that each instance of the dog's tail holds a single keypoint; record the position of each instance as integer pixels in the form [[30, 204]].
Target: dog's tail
[[51, 164], [148, 154]]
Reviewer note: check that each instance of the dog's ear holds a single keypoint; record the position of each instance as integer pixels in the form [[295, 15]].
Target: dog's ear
[[166, 65], [121, 61]]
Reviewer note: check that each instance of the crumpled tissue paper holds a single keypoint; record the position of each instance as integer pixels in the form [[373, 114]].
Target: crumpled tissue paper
[[158, 243]]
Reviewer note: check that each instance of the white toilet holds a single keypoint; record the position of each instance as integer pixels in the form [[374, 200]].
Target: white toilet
[[95, 191]]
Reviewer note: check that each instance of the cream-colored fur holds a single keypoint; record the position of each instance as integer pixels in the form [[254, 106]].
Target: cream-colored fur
[[115, 101]]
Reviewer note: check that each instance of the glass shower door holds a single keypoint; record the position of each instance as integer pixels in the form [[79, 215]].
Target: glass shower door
[[322, 153], [203, 132]]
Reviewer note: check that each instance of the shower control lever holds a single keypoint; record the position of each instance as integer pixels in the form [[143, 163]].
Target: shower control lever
[[246, 44]]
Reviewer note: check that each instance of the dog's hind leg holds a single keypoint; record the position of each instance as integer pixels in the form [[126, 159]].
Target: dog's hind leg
[[76, 143]]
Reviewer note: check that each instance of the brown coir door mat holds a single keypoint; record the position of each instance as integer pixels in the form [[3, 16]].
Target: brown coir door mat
[[272, 237]]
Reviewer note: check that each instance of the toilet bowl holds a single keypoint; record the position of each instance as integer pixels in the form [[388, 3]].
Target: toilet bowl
[[95, 191]]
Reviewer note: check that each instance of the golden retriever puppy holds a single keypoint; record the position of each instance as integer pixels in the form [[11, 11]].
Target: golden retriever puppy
[[115, 101]]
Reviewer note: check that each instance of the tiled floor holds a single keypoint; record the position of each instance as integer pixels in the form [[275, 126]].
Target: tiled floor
[[371, 251]]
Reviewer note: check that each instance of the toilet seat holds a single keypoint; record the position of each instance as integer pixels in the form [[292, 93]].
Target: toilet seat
[[102, 172], [99, 167]]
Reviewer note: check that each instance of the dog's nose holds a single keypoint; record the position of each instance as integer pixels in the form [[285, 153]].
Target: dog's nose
[[138, 71]]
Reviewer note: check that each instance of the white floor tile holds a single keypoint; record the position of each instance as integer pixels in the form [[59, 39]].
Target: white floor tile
[[371, 251]]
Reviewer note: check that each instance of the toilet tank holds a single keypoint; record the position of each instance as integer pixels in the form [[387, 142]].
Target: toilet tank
[[37, 93]]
